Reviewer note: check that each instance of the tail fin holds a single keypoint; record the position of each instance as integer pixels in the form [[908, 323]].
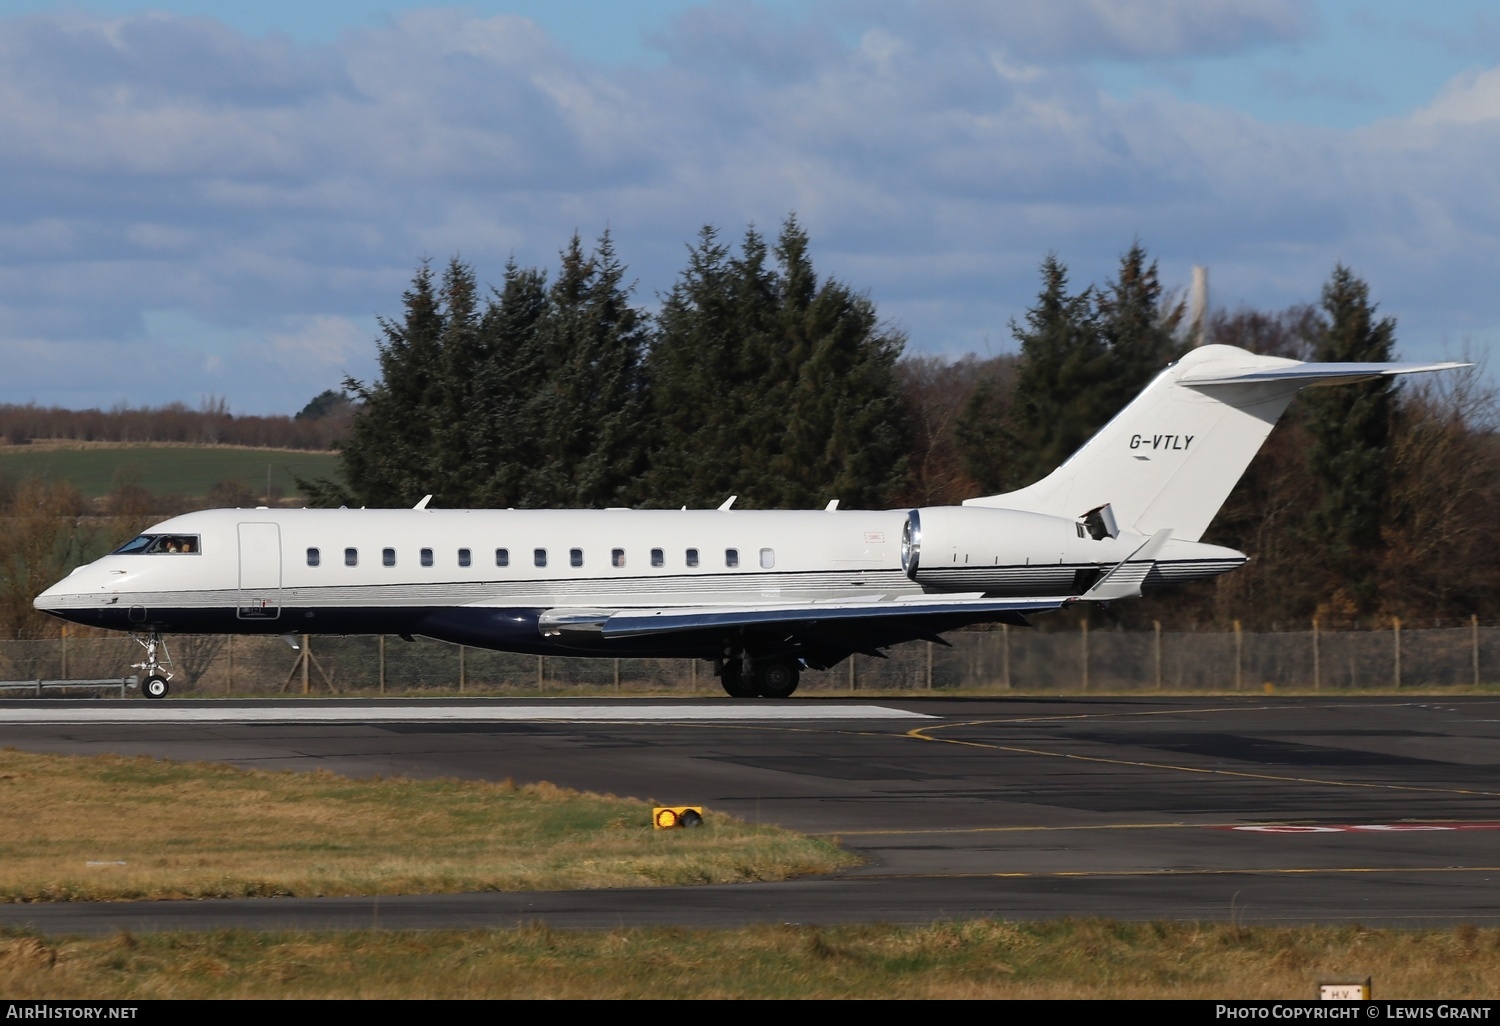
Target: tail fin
[[1171, 457]]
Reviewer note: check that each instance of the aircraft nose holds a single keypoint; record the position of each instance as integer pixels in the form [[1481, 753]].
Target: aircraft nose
[[65, 594], [51, 600]]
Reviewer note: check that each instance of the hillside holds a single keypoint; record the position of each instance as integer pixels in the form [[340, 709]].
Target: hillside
[[191, 471]]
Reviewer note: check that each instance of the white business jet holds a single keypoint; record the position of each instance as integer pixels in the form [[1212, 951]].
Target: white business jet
[[760, 593]]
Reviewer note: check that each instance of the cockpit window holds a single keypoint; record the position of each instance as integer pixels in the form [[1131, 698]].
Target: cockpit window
[[160, 544]]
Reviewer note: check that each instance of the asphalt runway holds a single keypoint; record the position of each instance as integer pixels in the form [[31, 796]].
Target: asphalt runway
[[1382, 811]]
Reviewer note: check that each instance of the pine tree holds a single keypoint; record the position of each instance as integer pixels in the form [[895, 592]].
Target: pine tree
[[770, 385], [1083, 357], [1064, 363], [510, 379], [1350, 427], [385, 457], [592, 404], [834, 398], [1138, 327]]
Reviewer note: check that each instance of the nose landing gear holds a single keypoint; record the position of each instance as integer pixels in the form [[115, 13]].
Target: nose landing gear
[[155, 683]]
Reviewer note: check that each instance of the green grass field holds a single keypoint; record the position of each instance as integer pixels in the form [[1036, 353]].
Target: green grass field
[[95, 470]]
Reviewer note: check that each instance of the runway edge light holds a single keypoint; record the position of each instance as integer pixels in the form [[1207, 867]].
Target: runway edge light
[[668, 816], [1344, 990]]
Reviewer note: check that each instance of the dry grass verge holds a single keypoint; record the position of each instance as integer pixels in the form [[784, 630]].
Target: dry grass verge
[[110, 828], [978, 959]]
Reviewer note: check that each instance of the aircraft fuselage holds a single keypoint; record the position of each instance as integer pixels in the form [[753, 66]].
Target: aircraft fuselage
[[489, 578]]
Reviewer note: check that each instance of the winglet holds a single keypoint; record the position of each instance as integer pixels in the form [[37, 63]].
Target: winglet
[[1125, 578], [728, 502], [423, 504]]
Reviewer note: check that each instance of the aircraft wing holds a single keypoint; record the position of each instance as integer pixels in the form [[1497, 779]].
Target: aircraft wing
[[634, 623]]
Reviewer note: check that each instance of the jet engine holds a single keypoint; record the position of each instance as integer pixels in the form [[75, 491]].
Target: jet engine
[[1004, 551]]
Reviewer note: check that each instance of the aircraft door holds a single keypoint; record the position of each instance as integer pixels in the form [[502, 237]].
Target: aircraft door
[[260, 572]]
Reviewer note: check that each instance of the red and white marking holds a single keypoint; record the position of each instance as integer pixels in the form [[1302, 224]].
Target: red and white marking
[[1356, 828]]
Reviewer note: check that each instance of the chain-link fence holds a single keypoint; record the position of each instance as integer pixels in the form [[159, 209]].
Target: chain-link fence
[[990, 661]]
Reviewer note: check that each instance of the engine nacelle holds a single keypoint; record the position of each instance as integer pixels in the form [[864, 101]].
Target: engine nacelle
[[1005, 551]]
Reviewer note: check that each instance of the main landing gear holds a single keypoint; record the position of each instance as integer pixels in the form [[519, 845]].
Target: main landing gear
[[154, 685], [776, 677]]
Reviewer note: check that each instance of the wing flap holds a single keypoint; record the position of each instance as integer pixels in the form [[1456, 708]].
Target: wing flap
[[634, 623]]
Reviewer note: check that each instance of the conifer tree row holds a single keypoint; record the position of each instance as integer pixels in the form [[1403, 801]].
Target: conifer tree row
[[769, 384], [757, 379]]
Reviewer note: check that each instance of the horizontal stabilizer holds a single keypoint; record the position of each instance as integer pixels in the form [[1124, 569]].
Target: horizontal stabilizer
[[1304, 374]]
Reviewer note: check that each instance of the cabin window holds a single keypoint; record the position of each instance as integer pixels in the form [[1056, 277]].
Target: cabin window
[[351, 557], [767, 558], [575, 557], [692, 557], [617, 557], [502, 557], [388, 557], [313, 557], [732, 558], [426, 557], [539, 557], [463, 557], [658, 557]]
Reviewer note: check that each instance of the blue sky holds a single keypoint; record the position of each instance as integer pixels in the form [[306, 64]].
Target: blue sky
[[219, 199]]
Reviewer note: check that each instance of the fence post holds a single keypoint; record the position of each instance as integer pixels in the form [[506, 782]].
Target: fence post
[[382, 664], [1239, 662], [306, 659], [540, 670], [1474, 631], [1396, 633], [1156, 651], [617, 675], [1005, 653], [851, 671], [64, 637], [229, 682], [462, 669], [1085, 623], [929, 666], [1317, 658], [693, 675]]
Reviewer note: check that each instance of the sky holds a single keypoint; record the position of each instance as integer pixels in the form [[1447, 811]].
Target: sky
[[203, 200]]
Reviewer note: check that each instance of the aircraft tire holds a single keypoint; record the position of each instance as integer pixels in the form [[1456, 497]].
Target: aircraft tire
[[155, 686], [777, 678], [734, 684]]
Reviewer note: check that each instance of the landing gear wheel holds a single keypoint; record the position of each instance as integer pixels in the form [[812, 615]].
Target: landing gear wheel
[[155, 683], [733, 681], [777, 678]]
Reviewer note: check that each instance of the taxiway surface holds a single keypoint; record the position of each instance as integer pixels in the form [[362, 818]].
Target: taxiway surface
[[1375, 810]]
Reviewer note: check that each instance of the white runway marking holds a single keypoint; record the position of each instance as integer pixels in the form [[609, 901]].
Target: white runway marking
[[312, 712]]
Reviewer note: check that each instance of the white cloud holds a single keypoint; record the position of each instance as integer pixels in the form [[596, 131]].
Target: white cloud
[[320, 342], [278, 196], [1469, 99], [1067, 30]]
